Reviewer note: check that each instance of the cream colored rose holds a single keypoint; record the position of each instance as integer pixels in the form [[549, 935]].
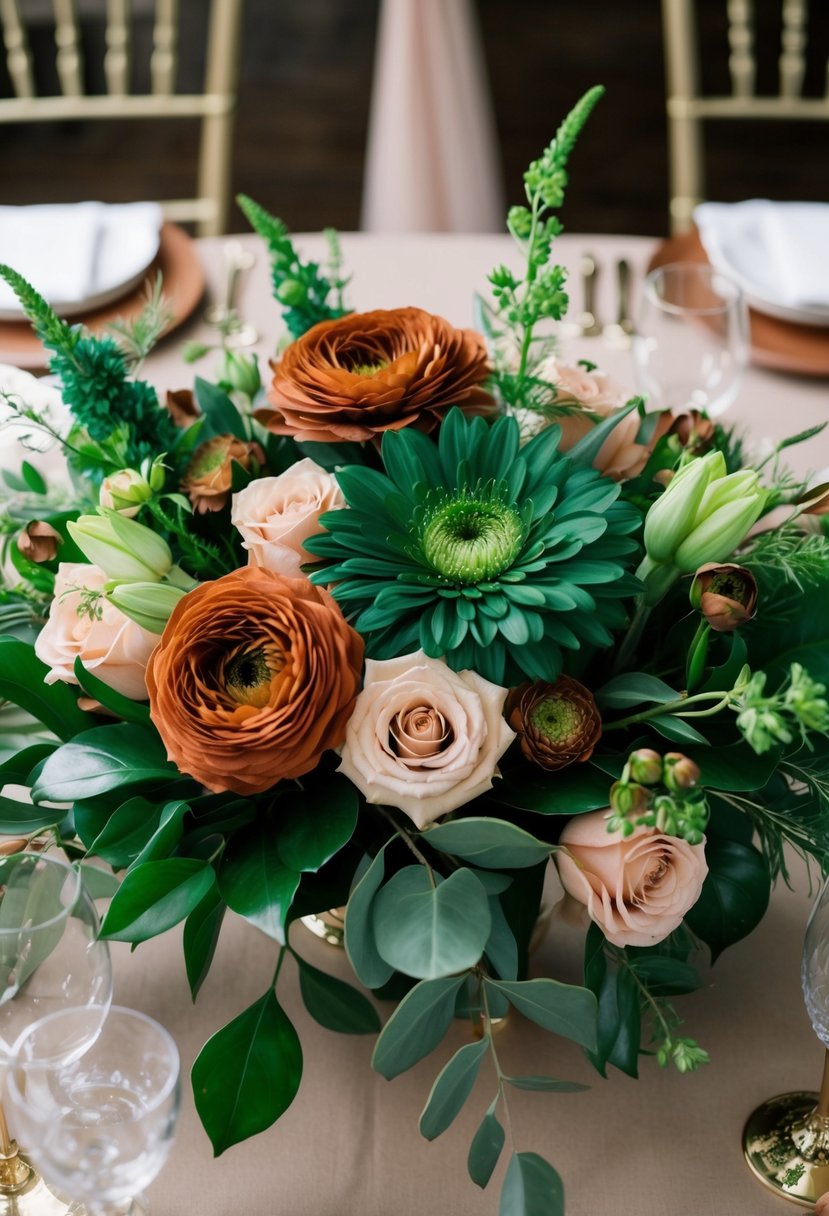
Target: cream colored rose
[[424, 738], [108, 643], [636, 888], [276, 515], [594, 390]]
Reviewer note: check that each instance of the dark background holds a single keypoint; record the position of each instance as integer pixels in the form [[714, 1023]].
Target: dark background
[[304, 102]]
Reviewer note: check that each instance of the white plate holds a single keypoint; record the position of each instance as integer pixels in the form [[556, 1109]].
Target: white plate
[[737, 250], [120, 241]]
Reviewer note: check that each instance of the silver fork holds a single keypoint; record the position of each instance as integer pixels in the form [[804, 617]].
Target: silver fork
[[620, 332], [224, 316], [584, 324]]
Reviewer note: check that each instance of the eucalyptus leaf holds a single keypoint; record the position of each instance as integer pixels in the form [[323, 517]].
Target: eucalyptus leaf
[[417, 1025], [490, 843], [501, 947], [334, 1004], [247, 1074], [565, 1009], [360, 946], [546, 1085], [531, 1188], [429, 931], [485, 1149], [451, 1089], [155, 896]]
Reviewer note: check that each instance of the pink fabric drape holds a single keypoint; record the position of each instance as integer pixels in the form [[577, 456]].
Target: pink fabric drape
[[432, 163]]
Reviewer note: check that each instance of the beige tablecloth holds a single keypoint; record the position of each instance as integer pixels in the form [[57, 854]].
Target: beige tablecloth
[[349, 1145]]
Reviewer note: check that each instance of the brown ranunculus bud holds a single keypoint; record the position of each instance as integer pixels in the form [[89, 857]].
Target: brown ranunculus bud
[[681, 773], [815, 501], [645, 766], [726, 595], [694, 431], [182, 407], [39, 541], [208, 477], [557, 724], [354, 378]]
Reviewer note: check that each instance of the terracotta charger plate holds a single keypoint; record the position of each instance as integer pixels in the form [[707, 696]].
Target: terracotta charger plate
[[782, 346], [179, 264]]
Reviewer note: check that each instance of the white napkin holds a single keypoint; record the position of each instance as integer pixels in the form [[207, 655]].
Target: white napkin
[[74, 251], [778, 252]]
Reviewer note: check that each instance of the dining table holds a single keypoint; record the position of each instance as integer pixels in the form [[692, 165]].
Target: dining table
[[661, 1145]]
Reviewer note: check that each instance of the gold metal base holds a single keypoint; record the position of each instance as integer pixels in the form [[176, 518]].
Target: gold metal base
[[330, 926], [786, 1146], [24, 1193]]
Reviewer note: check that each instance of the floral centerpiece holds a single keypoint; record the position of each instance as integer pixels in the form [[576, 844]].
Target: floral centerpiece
[[430, 611]]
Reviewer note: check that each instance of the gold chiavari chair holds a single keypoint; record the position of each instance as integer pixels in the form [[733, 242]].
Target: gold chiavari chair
[[215, 106], [688, 109]]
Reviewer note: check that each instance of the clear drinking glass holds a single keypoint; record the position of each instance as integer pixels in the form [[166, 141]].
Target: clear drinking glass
[[690, 347], [101, 1126]]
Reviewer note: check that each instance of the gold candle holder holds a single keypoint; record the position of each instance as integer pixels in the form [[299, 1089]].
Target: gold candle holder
[[786, 1143]]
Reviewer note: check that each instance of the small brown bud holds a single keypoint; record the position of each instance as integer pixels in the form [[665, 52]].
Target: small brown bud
[[726, 595], [182, 407], [645, 766], [39, 541], [15, 844], [681, 773], [694, 431]]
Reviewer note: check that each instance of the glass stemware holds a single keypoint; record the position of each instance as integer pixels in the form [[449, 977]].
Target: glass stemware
[[786, 1140], [51, 959], [690, 346], [101, 1125]]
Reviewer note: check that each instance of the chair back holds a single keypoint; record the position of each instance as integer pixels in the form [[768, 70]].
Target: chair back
[[214, 106], [688, 108]]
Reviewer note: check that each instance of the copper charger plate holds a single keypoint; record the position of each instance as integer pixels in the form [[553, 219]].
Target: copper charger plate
[[178, 262], [779, 345]]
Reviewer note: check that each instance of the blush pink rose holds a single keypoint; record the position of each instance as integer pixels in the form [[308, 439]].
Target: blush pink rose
[[636, 888], [107, 642], [424, 738], [276, 515]]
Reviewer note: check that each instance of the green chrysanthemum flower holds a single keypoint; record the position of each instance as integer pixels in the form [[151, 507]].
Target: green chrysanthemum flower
[[479, 553]]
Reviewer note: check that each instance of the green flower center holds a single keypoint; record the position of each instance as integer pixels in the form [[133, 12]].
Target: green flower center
[[731, 586], [472, 540], [368, 369], [555, 719]]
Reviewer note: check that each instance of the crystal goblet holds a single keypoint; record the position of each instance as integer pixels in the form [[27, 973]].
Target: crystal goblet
[[786, 1140], [102, 1124]]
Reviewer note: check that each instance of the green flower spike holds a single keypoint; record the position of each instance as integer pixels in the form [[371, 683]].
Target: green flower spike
[[478, 553]]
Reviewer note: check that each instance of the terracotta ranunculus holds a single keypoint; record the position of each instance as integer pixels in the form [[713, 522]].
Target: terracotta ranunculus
[[366, 373], [424, 738], [209, 475], [83, 624], [636, 888], [254, 678], [557, 724], [276, 515]]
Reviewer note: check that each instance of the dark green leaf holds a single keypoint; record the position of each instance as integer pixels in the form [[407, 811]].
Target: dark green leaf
[[565, 1009], [98, 883], [799, 635], [485, 1149], [126, 832], [165, 838], [310, 836], [430, 931], [335, 1004], [155, 896], [492, 844], [546, 1085], [585, 451], [221, 414], [201, 935], [531, 1187], [32, 478], [254, 882], [101, 759], [21, 818], [734, 896], [665, 976], [574, 790], [22, 677], [676, 728], [619, 1008], [360, 946], [452, 1087], [736, 768], [247, 1074], [130, 711], [417, 1025], [634, 688], [521, 904], [15, 769]]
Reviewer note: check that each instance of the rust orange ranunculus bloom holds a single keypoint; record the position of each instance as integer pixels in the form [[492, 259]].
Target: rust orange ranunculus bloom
[[365, 373], [254, 678]]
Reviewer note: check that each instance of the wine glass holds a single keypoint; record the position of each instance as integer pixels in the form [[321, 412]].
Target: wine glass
[[786, 1140], [690, 347], [102, 1124], [51, 958]]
